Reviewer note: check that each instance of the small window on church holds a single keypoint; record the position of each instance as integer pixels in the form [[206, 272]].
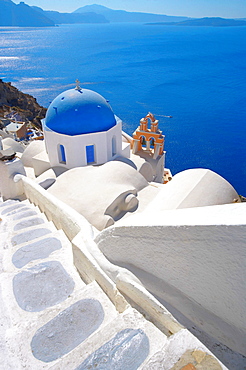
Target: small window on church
[[90, 154], [62, 154], [114, 151]]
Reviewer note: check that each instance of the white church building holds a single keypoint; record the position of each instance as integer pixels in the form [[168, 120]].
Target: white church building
[[81, 129]]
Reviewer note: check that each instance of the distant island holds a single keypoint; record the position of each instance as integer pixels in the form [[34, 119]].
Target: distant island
[[23, 15], [117, 16], [207, 21], [71, 18]]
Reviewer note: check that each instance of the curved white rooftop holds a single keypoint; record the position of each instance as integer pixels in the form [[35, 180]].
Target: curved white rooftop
[[196, 187]]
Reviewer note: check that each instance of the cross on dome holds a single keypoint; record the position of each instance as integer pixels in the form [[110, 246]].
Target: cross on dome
[[77, 85]]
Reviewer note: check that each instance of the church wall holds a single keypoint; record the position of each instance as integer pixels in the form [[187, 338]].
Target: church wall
[[114, 132], [74, 154], [75, 148]]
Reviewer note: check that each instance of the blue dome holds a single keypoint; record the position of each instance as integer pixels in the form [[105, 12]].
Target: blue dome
[[77, 112]]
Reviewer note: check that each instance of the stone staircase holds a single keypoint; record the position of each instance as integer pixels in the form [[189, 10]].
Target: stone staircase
[[51, 319]]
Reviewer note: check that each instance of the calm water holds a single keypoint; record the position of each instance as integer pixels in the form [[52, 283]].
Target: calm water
[[197, 75]]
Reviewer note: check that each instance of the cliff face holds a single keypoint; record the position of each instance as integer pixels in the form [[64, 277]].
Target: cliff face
[[21, 15], [14, 101]]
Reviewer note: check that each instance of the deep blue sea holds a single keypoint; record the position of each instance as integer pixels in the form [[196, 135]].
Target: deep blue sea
[[195, 74]]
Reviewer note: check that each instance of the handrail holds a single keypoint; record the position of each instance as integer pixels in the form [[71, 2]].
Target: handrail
[[92, 264], [63, 216], [159, 315]]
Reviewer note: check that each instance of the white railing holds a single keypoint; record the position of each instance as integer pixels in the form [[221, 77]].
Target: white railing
[[92, 264]]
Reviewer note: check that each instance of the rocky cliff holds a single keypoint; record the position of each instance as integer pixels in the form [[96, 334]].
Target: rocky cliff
[[13, 101], [21, 15]]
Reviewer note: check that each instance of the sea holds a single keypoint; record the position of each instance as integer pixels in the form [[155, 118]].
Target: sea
[[197, 75]]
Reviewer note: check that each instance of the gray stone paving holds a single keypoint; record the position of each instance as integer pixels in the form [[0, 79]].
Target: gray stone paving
[[42, 286], [29, 235], [34, 251], [126, 351], [24, 214], [19, 210], [7, 203], [12, 208], [28, 223], [67, 330]]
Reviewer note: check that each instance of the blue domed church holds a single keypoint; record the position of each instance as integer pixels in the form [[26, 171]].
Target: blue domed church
[[81, 129]]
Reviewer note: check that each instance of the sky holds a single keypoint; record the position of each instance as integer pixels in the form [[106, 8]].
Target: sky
[[190, 8]]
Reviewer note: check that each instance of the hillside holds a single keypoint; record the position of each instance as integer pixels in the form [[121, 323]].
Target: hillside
[[14, 101], [124, 16], [21, 15], [71, 18], [208, 21]]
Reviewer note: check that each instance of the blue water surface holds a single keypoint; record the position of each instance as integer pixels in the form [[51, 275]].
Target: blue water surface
[[195, 74]]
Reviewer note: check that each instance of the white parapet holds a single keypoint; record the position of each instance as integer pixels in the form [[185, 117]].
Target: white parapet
[[10, 189], [125, 149], [41, 163], [194, 259]]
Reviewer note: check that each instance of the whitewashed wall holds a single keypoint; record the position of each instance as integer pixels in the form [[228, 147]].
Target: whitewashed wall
[[75, 146], [9, 189], [193, 259]]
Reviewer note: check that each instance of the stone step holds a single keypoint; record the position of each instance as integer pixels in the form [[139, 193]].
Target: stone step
[[15, 211], [37, 340], [29, 210], [50, 247], [126, 343], [131, 342], [33, 233], [21, 210], [10, 209], [23, 225], [26, 213], [54, 246], [21, 213], [8, 203], [26, 223], [29, 222]]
